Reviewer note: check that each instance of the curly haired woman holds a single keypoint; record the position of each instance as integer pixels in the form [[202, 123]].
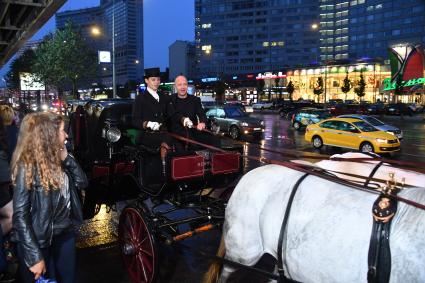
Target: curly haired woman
[[45, 201]]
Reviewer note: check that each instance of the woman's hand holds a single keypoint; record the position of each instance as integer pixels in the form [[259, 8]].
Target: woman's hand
[[63, 152], [38, 269]]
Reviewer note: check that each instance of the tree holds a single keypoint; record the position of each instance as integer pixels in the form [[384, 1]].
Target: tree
[[361, 86], [399, 85], [318, 89], [290, 88], [260, 87], [219, 89], [22, 64], [64, 57], [346, 85], [276, 84]]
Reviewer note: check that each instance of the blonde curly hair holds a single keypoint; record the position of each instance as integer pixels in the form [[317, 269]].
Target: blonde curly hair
[[38, 149], [7, 113]]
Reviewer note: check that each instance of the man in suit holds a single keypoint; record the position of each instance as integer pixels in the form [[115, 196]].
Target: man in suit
[[188, 119], [150, 114]]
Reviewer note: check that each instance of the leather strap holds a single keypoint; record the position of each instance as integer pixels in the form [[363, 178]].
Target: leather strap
[[282, 234], [379, 255], [372, 173]]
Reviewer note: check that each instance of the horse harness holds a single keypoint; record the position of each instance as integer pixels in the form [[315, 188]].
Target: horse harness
[[379, 255]]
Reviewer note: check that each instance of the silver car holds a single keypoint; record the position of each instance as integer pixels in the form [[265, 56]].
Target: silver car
[[234, 122], [377, 124]]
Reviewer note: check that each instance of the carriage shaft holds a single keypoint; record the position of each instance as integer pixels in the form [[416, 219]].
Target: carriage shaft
[[191, 233]]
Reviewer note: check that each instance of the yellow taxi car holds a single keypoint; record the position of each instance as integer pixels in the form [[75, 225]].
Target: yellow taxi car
[[351, 133]]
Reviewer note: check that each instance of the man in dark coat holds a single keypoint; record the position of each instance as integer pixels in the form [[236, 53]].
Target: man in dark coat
[[150, 114], [188, 119]]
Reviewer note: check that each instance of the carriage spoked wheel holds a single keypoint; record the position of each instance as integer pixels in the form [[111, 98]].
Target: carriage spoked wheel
[[138, 245]]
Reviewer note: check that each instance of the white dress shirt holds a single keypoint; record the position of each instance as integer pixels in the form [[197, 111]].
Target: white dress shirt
[[153, 93]]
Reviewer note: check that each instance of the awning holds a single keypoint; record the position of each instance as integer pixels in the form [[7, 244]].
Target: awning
[[20, 20]]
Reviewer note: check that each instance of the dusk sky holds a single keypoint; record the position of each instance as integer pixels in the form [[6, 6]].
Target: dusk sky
[[165, 21]]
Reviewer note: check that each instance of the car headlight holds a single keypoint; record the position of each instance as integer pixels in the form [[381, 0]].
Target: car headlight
[[113, 134], [381, 140], [244, 124]]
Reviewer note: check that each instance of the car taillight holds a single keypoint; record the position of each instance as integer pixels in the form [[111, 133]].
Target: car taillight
[[293, 117], [307, 129]]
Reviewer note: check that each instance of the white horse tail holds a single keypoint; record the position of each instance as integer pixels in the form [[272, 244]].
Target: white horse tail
[[214, 270]]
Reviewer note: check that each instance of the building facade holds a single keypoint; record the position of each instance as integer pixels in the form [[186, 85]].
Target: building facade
[[181, 59], [128, 28], [356, 29], [239, 37]]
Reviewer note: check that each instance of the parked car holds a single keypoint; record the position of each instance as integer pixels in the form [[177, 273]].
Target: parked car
[[307, 116], [246, 108], [342, 108], [375, 108], [233, 121], [377, 124], [398, 109], [262, 105], [335, 101], [351, 133], [288, 109]]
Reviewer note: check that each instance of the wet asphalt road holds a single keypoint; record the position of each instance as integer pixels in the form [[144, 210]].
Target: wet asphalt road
[[98, 255]]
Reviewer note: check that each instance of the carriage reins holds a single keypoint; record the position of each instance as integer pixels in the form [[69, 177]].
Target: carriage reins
[[283, 230], [301, 154]]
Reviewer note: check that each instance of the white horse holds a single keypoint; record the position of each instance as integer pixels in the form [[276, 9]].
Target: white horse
[[328, 230]]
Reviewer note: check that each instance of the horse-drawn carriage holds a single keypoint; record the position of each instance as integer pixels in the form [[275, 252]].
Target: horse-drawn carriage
[[163, 190]]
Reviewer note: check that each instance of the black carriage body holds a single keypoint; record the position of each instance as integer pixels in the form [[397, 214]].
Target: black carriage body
[[124, 170]]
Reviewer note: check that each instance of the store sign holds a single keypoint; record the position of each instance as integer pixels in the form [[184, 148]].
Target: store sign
[[266, 76], [390, 86], [207, 80]]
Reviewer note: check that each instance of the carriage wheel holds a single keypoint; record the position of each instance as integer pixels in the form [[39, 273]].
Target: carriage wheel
[[138, 245]]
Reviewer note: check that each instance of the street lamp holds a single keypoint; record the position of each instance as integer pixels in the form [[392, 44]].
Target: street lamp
[[114, 83]]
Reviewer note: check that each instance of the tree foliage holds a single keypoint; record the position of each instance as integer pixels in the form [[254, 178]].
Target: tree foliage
[[398, 85], [318, 90], [64, 58], [346, 85], [361, 87], [290, 88], [22, 64], [219, 89]]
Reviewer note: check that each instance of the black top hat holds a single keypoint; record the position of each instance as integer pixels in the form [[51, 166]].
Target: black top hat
[[152, 72]]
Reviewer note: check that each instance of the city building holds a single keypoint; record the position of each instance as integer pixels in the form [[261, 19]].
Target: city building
[[97, 23], [182, 59], [240, 37], [360, 29]]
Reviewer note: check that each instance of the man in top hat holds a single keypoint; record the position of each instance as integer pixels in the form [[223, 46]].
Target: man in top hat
[[150, 114]]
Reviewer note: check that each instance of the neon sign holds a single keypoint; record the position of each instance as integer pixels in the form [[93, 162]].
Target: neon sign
[[390, 86]]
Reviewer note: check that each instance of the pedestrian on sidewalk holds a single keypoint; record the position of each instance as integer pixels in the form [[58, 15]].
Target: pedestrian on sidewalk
[[45, 201]]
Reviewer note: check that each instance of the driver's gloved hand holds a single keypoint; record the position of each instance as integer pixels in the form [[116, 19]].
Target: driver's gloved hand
[[154, 126]]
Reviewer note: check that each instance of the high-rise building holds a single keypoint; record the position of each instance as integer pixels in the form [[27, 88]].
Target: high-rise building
[[182, 59], [128, 29], [360, 29], [237, 37]]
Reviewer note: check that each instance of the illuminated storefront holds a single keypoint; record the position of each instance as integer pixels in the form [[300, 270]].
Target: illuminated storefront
[[305, 80]]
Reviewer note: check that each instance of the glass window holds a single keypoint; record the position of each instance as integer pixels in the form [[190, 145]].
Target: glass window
[[365, 127], [329, 125], [221, 113], [211, 112]]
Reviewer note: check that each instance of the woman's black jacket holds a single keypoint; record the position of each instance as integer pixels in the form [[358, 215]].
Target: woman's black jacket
[[33, 217]]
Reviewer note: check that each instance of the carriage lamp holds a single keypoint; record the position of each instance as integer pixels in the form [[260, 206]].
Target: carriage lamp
[[113, 134], [262, 123]]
